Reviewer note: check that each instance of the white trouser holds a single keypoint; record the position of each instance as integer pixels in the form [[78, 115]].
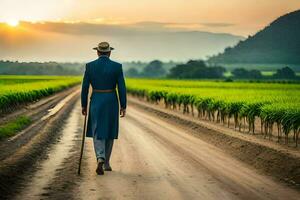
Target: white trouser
[[103, 149]]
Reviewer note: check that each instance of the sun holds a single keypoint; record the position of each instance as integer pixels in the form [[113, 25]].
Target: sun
[[12, 23]]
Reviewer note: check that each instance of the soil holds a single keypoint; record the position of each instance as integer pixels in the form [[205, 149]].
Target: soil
[[277, 160], [20, 154], [160, 154]]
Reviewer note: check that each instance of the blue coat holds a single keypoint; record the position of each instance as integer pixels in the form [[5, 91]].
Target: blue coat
[[103, 119]]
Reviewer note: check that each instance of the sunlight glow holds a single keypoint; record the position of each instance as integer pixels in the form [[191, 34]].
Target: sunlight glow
[[13, 23]]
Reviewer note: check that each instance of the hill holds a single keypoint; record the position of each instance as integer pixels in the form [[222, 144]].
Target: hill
[[277, 43]]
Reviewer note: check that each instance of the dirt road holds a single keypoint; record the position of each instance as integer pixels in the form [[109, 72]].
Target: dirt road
[[152, 159]]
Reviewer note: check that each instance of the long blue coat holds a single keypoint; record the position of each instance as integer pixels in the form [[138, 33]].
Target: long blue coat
[[103, 119]]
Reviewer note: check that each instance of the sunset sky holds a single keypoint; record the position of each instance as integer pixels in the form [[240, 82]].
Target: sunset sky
[[237, 17], [240, 17]]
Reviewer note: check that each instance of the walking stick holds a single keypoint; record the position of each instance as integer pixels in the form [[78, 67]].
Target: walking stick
[[82, 144]]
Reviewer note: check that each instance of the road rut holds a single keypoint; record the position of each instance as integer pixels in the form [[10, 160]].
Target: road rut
[[156, 160], [152, 159]]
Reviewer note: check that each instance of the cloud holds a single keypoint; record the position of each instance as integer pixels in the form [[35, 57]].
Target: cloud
[[85, 28], [217, 25], [77, 28], [145, 27]]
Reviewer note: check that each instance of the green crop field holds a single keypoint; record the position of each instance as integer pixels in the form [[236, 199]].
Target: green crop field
[[271, 103], [15, 90]]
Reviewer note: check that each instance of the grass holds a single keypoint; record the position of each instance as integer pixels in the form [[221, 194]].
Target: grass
[[11, 128]]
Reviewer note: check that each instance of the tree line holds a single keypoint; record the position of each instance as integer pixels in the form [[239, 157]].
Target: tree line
[[193, 69], [40, 68], [198, 69]]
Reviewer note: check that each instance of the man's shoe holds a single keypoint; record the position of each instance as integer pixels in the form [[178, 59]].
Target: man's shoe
[[99, 169], [107, 168]]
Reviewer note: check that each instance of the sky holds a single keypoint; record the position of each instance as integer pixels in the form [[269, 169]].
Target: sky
[[241, 17], [67, 20]]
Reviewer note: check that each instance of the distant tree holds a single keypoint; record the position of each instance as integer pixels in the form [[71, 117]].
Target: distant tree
[[39, 68], [285, 73], [240, 73], [132, 72], [217, 71], [154, 69], [194, 69], [245, 74], [255, 74], [179, 71]]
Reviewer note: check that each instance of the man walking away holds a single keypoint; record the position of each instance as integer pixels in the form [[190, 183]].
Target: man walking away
[[106, 104]]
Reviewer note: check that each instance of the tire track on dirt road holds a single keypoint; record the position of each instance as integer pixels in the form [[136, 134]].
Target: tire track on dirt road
[[152, 159], [47, 169], [30, 148], [156, 160]]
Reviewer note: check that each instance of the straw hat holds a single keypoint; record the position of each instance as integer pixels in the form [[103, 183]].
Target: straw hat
[[103, 47]]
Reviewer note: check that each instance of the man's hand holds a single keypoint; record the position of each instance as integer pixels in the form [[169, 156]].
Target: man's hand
[[84, 111], [122, 112]]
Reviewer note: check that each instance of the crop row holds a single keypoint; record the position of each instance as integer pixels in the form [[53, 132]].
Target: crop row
[[27, 90], [244, 105]]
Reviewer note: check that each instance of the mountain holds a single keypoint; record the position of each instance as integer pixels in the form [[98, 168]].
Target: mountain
[[277, 43], [73, 42]]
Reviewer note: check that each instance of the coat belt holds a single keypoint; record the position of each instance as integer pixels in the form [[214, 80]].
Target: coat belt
[[104, 91]]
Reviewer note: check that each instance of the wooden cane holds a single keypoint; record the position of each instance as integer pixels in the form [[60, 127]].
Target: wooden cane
[[82, 144]]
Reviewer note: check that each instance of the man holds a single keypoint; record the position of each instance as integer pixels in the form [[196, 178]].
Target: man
[[104, 75]]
